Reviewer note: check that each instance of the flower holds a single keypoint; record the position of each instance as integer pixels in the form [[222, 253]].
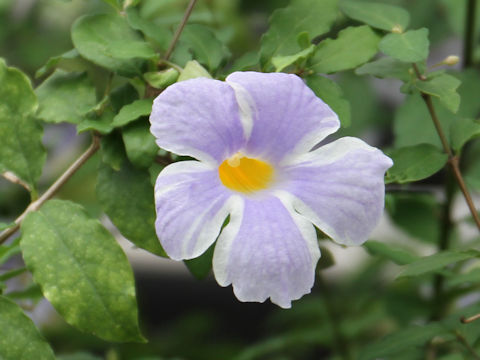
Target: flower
[[253, 137]]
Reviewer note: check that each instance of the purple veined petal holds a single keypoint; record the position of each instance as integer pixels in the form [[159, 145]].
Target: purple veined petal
[[191, 206], [287, 118], [266, 251], [199, 118], [340, 188]]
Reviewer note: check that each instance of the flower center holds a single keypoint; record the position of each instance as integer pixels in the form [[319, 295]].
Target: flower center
[[244, 174]]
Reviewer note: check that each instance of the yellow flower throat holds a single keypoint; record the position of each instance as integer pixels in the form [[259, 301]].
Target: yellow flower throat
[[244, 174]]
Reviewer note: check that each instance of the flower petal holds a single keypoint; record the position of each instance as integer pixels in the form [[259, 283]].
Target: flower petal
[[199, 118], [287, 117], [340, 188], [267, 250], [191, 207]]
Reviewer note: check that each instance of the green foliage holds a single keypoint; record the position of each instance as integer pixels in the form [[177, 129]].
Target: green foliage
[[82, 270], [21, 149], [413, 163], [19, 338], [132, 111], [281, 62], [391, 252], [386, 68], [411, 46], [377, 15], [444, 87], [353, 47], [126, 197], [139, 143], [462, 131]]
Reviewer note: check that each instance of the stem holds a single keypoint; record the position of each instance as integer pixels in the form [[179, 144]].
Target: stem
[[452, 159], [340, 343], [179, 30], [52, 190], [10, 176], [469, 33]]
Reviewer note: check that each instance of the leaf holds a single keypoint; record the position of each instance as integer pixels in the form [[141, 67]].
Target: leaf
[[353, 47], [206, 48], [161, 79], [132, 112], [428, 264], [65, 97], [415, 163], [330, 92], [114, 3], [139, 143], [377, 15], [469, 90], [390, 251], [7, 251], [310, 16], [281, 62], [402, 340], [108, 41], [79, 356], [201, 266], [82, 270], [127, 198], [160, 34], [21, 149], [444, 87], [4, 226], [247, 61], [462, 131], [193, 70], [386, 68], [19, 338], [113, 150], [68, 61], [411, 46], [101, 123], [472, 277]]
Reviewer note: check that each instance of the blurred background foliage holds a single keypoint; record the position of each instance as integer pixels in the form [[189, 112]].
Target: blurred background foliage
[[188, 319]]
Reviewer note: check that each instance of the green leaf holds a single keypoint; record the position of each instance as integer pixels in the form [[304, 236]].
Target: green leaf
[[21, 149], [160, 34], [402, 340], [472, 277], [65, 97], [377, 15], [4, 226], [201, 266], [132, 112], [415, 163], [437, 262], [310, 16], [281, 62], [390, 251], [12, 273], [386, 68], [411, 46], [353, 47], [82, 270], [161, 79], [108, 40], [79, 356], [114, 3], [247, 61], [127, 198], [101, 123], [206, 48], [140, 143], [7, 251], [113, 150], [69, 61], [462, 131], [19, 338], [330, 92], [444, 87], [193, 70], [469, 90]]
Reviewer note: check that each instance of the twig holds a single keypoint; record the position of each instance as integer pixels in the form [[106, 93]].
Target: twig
[[52, 190], [465, 343], [469, 33], [10, 176], [179, 30], [452, 159]]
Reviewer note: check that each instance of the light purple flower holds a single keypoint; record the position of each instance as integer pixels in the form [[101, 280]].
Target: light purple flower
[[253, 136]]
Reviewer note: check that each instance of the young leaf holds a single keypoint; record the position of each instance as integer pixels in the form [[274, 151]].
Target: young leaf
[[206, 48], [386, 68], [126, 197], [101, 123], [19, 338], [82, 270], [411, 46], [353, 47], [310, 16], [108, 40], [139, 143], [377, 15], [69, 61], [193, 70], [65, 97], [330, 92], [160, 34], [161, 79], [462, 131], [444, 87], [436, 262], [21, 149], [281, 62], [133, 111], [415, 163], [201, 266], [392, 252]]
